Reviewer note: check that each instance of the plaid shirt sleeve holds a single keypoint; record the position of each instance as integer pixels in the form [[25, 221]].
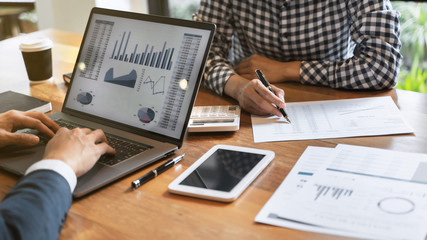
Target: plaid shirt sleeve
[[376, 58], [218, 68]]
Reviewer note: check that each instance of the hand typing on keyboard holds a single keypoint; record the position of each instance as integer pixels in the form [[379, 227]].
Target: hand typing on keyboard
[[13, 120], [80, 148], [125, 148]]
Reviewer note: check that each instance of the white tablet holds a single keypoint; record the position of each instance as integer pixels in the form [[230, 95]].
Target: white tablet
[[222, 173]]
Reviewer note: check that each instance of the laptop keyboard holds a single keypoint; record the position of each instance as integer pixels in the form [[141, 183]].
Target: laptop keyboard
[[125, 148]]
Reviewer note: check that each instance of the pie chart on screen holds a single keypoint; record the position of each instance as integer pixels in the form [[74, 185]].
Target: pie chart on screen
[[84, 98], [146, 115]]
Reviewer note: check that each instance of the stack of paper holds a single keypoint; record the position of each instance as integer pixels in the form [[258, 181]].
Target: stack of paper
[[353, 191]]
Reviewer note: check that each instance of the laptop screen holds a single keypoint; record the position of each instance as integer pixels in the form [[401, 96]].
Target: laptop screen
[[141, 73]]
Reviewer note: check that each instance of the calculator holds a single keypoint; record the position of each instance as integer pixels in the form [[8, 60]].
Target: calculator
[[214, 118]]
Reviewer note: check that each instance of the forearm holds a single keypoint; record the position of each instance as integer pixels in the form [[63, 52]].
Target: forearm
[[234, 85], [277, 72], [370, 73]]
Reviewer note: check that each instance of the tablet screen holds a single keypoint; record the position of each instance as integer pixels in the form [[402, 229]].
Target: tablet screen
[[222, 170]]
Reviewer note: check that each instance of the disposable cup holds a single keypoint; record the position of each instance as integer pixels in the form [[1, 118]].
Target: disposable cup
[[37, 54]]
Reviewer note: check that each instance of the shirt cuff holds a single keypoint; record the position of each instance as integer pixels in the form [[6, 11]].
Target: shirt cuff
[[58, 166]]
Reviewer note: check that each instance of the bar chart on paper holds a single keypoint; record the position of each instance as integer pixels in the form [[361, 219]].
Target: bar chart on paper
[[382, 191], [332, 192]]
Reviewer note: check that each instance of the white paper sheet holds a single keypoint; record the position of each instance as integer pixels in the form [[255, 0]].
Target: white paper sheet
[[332, 119], [358, 191], [309, 163]]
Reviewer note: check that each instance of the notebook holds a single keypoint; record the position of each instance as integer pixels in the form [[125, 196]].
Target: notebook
[[136, 77], [13, 100]]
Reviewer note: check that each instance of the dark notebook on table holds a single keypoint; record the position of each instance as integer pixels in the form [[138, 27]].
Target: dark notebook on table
[[12, 100], [136, 77]]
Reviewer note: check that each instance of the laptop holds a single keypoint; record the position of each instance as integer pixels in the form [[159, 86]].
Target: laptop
[[136, 77]]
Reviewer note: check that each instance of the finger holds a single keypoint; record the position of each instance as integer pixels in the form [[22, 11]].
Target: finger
[[45, 120], [21, 139], [266, 107], [268, 95], [30, 122], [259, 105], [85, 130], [62, 130], [104, 148], [80, 131], [280, 94], [98, 136]]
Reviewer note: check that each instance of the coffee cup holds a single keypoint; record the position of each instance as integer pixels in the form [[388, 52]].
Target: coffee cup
[[37, 54]]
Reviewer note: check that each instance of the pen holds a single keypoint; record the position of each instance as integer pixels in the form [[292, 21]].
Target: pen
[[155, 172], [267, 85]]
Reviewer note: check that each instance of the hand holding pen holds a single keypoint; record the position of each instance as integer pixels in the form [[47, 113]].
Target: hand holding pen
[[267, 85]]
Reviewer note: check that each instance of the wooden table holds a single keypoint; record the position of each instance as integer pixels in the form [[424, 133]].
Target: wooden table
[[151, 212]]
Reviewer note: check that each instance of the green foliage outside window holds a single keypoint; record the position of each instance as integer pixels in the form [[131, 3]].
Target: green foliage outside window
[[183, 8], [413, 21]]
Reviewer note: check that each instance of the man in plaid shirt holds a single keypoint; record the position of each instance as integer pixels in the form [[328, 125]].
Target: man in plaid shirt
[[350, 44]]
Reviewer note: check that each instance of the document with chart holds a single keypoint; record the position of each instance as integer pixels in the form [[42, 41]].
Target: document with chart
[[332, 119], [353, 191], [304, 169]]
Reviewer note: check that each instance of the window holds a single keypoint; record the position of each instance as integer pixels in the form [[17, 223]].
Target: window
[[183, 8], [413, 22]]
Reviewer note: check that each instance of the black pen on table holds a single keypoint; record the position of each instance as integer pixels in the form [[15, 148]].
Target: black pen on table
[[155, 172], [267, 85]]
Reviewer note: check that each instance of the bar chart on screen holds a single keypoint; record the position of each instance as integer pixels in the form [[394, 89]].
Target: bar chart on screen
[[147, 55]]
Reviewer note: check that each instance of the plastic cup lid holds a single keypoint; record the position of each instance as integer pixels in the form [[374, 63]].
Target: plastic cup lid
[[35, 44]]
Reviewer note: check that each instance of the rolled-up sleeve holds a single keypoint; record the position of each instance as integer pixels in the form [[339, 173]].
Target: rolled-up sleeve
[[376, 59]]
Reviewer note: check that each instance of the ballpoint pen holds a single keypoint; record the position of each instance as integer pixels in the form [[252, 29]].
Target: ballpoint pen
[[155, 172], [267, 85]]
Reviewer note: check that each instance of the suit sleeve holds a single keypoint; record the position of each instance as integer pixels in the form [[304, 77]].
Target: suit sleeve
[[36, 207]]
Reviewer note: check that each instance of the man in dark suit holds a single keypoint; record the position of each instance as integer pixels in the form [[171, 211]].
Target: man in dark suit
[[37, 206]]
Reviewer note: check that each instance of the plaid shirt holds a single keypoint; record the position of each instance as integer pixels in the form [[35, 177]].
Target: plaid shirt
[[350, 44]]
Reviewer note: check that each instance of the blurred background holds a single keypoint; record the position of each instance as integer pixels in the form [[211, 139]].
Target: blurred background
[[25, 16]]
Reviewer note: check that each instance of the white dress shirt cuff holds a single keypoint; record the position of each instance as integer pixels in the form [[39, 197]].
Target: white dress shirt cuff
[[58, 166]]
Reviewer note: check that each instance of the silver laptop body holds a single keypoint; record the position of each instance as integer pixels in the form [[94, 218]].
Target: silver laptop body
[[136, 77]]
